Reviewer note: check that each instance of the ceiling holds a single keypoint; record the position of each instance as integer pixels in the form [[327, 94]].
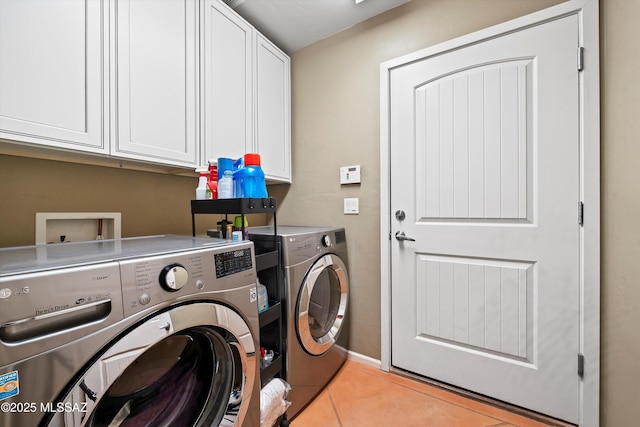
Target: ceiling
[[294, 24]]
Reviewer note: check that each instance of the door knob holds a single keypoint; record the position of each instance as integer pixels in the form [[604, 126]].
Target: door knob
[[400, 236]]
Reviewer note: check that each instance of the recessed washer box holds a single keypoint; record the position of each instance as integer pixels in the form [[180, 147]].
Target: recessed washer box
[[76, 226]]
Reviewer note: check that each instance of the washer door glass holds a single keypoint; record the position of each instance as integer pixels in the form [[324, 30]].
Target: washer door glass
[[322, 304], [189, 365], [172, 383]]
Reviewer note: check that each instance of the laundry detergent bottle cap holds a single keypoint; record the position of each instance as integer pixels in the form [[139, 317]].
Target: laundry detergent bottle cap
[[252, 159]]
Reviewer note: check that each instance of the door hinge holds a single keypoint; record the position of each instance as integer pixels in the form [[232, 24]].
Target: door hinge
[[580, 213], [580, 365], [580, 58]]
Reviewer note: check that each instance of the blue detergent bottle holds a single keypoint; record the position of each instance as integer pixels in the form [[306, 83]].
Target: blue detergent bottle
[[250, 179]]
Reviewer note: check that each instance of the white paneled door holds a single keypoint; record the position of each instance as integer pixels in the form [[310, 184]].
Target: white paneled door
[[485, 171]]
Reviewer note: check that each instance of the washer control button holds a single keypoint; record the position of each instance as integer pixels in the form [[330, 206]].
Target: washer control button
[[144, 299], [199, 284], [326, 241], [173, 277]]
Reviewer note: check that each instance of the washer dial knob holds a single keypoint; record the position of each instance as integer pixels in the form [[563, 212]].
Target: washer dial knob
[[173, 277], [326, 241]]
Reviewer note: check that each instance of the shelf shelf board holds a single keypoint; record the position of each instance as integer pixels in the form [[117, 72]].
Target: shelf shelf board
[[271, 314], [266, 260], [238, 206], [272, 370]]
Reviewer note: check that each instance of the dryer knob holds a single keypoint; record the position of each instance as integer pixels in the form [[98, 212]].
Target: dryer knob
[[326, 241], [173, 277]]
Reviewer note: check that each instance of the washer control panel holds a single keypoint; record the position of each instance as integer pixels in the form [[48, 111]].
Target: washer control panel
[[154, 280], [232, 262]]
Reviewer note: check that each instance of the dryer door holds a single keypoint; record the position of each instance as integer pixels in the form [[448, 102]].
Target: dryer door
[[192, 365], [322, 304]]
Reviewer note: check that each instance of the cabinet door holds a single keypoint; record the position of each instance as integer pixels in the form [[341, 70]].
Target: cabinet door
[[273, 104], [51, 73], [227, 82], [155, 81]]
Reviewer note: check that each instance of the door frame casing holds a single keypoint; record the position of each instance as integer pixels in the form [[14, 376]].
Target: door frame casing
[[589, 106]]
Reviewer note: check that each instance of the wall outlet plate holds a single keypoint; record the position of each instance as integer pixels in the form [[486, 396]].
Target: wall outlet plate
[[76, 226], [350, 174]]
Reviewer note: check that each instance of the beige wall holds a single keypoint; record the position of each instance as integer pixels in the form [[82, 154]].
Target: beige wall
[[150, 203], [335, 120], [620, 208]]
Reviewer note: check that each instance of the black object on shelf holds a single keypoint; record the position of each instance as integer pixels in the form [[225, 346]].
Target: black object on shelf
[[233, 206], [269, 268]]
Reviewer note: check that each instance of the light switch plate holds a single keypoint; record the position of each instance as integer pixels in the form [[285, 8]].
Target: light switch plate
[[350, 174], [351, 206]]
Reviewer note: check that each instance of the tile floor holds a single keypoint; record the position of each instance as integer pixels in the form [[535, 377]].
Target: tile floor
[[362, 396]]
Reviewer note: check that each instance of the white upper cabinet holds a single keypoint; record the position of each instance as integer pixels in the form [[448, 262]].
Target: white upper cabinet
[[171, 82], [51, 74], [246, 100], [273, 106], [155, 81], [227, 83]]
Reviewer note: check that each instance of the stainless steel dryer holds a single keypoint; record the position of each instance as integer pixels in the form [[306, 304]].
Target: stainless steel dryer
[[317, 288], [160, 330]]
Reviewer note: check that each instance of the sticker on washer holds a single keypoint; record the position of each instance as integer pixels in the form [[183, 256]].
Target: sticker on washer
[[253, 295], [9, 385]]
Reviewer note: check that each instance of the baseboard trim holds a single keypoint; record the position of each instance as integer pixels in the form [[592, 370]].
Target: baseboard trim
[[365, 360]]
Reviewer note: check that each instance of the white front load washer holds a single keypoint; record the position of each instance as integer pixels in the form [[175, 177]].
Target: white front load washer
[[151, 331], [317, 291]]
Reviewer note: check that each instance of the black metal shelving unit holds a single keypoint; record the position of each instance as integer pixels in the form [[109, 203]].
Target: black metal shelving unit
[[269, 269]]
